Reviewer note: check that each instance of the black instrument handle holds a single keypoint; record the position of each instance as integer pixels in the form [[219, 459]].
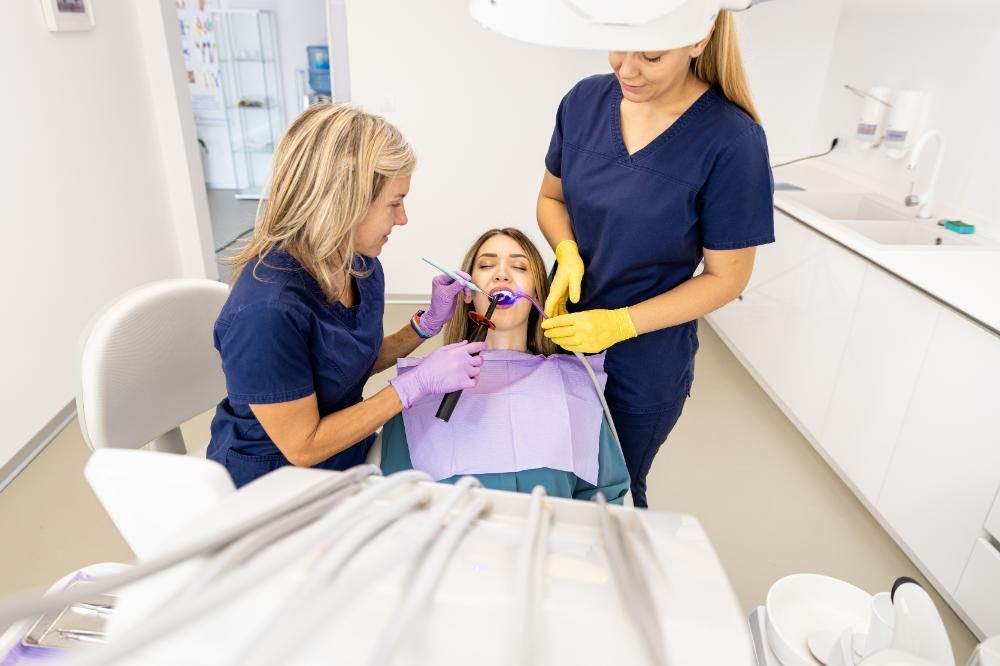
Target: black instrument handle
[[450, 400]]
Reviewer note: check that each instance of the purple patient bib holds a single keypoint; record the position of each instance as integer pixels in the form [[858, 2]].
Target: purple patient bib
[[526, 412]]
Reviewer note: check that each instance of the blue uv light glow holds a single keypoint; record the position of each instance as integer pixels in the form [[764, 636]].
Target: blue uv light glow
[[506, 298]]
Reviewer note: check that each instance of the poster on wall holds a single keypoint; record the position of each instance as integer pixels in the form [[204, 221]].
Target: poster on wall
[[201, 60], [199, 44], [66, 15]]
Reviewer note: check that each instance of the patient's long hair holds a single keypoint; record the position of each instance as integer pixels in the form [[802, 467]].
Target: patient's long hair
[[460, 327]]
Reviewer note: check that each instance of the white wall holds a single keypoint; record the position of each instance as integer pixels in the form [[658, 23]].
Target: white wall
[[479, 109], [787, 46], [950, 50], [87, 212]]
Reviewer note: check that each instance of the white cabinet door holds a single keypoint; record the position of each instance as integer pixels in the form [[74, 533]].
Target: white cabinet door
[[946, 467], [794, 244], [752, 324], [792, 327], [979, 590], [888, 341], [993, 519], [755, 324], [817, 303]]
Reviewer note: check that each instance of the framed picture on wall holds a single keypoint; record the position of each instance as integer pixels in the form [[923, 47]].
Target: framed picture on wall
[[63, 15]]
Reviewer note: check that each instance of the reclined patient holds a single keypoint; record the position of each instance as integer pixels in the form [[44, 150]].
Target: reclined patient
[[534, 418]]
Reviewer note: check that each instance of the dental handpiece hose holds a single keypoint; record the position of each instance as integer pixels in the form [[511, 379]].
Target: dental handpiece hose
[[449, 401]]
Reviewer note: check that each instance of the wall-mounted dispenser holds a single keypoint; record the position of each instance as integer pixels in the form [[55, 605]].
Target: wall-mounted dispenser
[[906, 120], [871, 125]]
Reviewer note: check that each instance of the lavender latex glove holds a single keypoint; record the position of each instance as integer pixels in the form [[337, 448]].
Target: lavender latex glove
[[453, 367], [444, 291]]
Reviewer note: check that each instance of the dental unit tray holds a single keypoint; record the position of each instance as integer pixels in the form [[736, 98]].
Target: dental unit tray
[[531, 579], [76, 626], [82, 622]]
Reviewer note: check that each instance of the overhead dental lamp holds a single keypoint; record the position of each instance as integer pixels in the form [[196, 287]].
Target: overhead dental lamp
[[604, 25]]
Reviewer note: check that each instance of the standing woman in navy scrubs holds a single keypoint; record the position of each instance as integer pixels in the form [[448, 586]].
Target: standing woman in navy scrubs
[[301, 331], [651, 170]]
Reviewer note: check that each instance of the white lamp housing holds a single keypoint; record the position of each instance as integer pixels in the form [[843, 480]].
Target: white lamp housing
[[604, 25]]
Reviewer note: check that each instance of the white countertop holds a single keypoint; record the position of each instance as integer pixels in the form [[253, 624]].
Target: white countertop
[[966, 278]]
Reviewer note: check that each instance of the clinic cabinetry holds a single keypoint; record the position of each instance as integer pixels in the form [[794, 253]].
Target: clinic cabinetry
[[792, 325], [900, 393]]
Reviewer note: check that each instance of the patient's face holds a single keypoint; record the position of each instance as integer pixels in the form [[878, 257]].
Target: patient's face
[[503, 264]]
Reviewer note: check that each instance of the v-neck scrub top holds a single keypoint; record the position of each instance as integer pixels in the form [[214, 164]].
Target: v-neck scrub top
[[642, 220], [281, 340]]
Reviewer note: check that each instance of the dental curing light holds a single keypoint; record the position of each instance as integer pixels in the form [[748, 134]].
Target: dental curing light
[[604, 25]]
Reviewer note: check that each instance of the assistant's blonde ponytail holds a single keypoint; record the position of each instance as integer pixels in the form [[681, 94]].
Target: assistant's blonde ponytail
[[721, 64]]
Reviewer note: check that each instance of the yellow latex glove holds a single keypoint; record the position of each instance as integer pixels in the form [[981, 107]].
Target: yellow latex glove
[[590, 331], [567, 279]]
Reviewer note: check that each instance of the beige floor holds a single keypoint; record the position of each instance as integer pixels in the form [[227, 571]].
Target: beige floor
[[768, 501]]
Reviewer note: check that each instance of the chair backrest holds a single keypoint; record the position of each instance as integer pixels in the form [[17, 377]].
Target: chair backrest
[[148, 364]]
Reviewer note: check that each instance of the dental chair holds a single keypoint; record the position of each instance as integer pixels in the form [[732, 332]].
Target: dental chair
[[148, 364]]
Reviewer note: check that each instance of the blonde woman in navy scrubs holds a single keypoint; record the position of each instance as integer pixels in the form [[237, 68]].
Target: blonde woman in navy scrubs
[[652, 170], [301, 331]]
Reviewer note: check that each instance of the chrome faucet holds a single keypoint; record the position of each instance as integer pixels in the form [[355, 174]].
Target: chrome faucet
[[925, 200]]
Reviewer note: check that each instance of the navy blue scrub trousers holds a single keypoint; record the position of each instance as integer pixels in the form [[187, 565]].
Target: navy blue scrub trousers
[[641, 436]]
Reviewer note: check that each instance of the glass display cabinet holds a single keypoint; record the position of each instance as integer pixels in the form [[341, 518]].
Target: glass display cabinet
[[251, 85]]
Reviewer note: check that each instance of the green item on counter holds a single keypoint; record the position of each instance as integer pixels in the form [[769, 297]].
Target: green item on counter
[[958, 226]]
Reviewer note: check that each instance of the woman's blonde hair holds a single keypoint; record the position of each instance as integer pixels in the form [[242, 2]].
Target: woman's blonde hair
[[721, 64], [330, 165], [460, 327]]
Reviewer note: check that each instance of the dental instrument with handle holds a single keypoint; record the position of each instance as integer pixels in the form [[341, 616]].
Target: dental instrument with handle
[[325, 570], [507, 298], [483, 327], [454, 276], [530, 575], [173, 616], [635, 596], [489, 563], [34, 604], [425, 579], [327, 599]]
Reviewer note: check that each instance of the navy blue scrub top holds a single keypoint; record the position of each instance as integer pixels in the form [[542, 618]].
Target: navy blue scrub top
[[642, 220], [281, 340]]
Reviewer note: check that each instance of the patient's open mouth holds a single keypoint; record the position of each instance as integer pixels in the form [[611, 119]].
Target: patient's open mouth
[[505, 297]]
